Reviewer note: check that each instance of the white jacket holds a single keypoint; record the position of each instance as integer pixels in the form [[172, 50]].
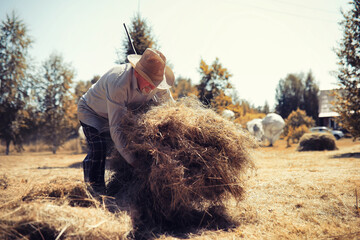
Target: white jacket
[[106, 102]]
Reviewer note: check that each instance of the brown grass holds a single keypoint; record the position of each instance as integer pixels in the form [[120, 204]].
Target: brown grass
[[45, 197], [292, 195]]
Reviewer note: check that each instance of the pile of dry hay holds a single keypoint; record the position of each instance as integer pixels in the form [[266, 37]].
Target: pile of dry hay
[[61, 208], [317, 142], [191, 160]]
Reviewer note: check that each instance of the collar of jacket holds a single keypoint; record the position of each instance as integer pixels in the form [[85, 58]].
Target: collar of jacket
[[136, 86]]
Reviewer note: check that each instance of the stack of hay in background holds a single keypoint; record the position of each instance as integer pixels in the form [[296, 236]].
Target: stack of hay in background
[[317, 142], [191, 160]]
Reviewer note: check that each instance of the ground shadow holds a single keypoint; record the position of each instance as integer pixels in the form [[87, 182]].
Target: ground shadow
[[146, 227], [75, 165], [347, 155], [180, 227], [150, 226]]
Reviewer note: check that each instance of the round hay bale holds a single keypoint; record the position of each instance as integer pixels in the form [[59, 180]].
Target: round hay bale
[[191, 160], [317, 142]]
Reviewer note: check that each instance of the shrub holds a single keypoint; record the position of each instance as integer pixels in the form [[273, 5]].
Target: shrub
[[296, 134], [296, 124]]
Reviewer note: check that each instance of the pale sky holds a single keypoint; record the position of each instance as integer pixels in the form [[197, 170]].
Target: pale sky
[[258, 41]]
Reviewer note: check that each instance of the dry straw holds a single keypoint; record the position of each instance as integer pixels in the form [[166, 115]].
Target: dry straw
[[60, 209], [191, 160], [317, 142]]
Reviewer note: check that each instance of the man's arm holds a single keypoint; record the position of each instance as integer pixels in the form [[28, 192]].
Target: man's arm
[[116, 98], [116, 112], [163, 95]]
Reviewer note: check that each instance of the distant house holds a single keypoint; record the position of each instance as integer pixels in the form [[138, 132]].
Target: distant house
[[327, 114]]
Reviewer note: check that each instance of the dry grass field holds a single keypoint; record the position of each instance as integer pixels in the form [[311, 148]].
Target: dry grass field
[[290, 195]]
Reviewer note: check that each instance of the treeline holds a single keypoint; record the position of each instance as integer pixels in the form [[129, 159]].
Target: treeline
[[39, 103]]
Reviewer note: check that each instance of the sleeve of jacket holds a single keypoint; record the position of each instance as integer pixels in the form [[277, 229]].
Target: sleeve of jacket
[[163, 95], [116, 108]]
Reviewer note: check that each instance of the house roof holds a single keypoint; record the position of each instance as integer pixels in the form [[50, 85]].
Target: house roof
[[328, 114]]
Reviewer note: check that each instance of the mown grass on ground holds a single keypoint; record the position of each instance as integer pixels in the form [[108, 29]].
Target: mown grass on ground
[[291, 195]]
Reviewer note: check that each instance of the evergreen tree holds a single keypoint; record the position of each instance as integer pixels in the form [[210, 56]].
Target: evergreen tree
[[289, 94], [297, 91], [348, 97], [141, 35], [266, 108], [58, 104], [311, 97], [14, 44]]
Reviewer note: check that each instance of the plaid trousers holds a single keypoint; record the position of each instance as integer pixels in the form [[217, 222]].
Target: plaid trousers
[[94, 162]]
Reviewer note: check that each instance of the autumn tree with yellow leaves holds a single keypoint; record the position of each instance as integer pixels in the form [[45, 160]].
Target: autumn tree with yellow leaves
[[58, 104], [296, 124], [214, 81], [183, 88], [215, 90]]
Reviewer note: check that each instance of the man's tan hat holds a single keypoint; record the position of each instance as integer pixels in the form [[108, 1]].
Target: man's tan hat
[[152, 66]]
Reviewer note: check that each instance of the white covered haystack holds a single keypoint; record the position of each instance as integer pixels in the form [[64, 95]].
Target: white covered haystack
[[228, 114], [255, 127], [273, 125]]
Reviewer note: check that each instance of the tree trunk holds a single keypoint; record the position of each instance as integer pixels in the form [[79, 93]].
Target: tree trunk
[[54, 149], [7, 147]]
